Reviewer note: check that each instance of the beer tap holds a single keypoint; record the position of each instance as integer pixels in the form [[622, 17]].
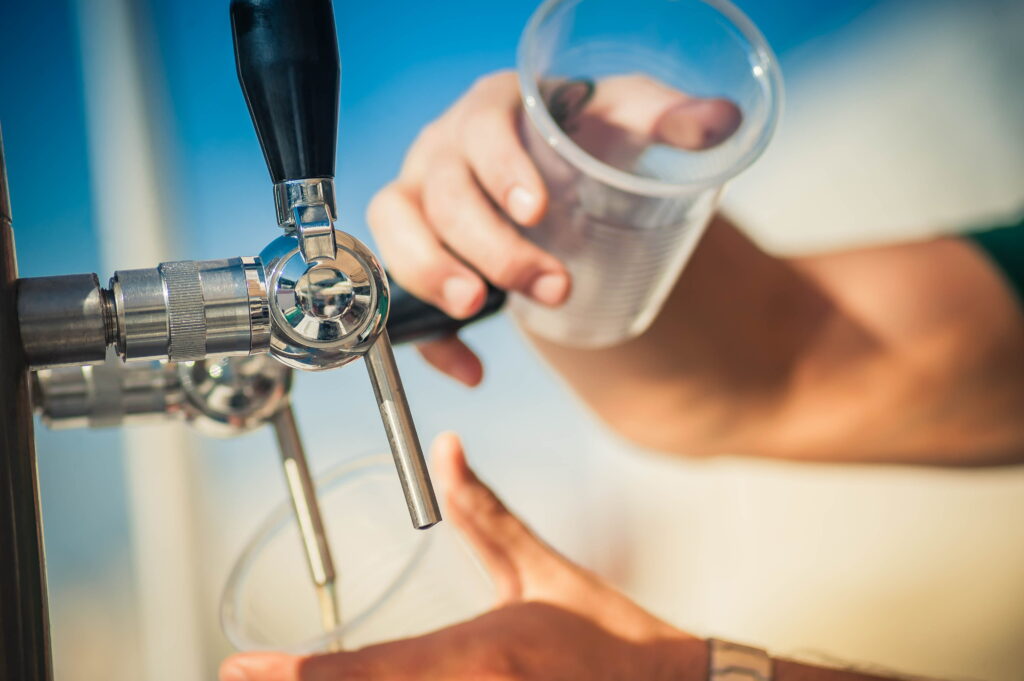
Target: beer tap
[[214, 342], [328, 294], [222, 395], [196, 335]]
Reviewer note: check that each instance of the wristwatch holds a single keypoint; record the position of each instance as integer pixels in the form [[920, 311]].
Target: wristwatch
[[734, 662]]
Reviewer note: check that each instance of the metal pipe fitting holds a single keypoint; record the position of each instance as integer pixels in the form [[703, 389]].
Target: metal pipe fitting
[[306, 208], [108, 394], [220, 397], [181, 311], [64, 320], [292, 193], [191, 310]]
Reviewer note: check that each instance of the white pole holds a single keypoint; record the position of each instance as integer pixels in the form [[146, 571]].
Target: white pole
[[132, 228]]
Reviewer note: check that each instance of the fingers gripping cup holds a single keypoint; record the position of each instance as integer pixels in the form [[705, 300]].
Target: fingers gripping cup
[[636, 115]]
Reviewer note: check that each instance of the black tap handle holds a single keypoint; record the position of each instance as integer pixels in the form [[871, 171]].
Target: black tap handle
[[286, 52], [411, 319]]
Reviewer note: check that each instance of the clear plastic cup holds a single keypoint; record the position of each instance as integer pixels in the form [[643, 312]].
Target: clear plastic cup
[[626, 211], [393, 581]]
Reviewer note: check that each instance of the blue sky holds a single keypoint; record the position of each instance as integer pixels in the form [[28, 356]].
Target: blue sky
[[402, 64]]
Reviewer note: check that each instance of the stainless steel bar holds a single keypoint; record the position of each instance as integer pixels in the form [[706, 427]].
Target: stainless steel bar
[[226, 305], [64, 320], [109, 394], [307, 513], [405, 444], [190, 310], [185, 310], [24, 617], [142, 316]]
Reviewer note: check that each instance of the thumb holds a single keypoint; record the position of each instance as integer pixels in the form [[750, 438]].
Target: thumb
[[512, 554], [697, 123]]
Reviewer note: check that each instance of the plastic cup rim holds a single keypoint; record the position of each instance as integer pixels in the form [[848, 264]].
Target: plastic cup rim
[[553, 135], [279, 516]]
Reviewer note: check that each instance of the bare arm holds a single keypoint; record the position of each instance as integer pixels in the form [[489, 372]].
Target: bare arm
[[911, 353], [553, 619]]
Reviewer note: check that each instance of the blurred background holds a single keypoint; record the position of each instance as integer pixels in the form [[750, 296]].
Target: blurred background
[[904, 118]]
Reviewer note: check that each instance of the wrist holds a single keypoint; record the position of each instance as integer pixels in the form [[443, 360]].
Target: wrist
[[677, 658], [687, 658]]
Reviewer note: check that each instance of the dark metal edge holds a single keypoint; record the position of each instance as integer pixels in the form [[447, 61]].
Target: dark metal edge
[[24, 617]]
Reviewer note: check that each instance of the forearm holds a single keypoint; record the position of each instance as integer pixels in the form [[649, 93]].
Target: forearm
[[910, 353], [718, 362]]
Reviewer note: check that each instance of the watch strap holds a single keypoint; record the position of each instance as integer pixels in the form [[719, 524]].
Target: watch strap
[[735, 662]]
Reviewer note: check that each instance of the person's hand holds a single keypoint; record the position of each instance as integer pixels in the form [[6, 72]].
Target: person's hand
[[553, 620], [444, 222]]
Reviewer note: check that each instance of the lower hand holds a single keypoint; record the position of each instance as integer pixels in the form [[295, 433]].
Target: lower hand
[[553, 619]]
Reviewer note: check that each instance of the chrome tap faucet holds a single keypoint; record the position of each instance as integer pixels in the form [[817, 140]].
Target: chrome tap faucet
[[328, 294]]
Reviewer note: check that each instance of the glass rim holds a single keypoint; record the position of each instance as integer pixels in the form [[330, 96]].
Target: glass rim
[[276, 520], [562, 144]]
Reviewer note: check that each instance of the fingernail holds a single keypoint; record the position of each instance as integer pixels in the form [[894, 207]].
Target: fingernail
[[550, 289], [460, 296], [233, 673], [521, 205]]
